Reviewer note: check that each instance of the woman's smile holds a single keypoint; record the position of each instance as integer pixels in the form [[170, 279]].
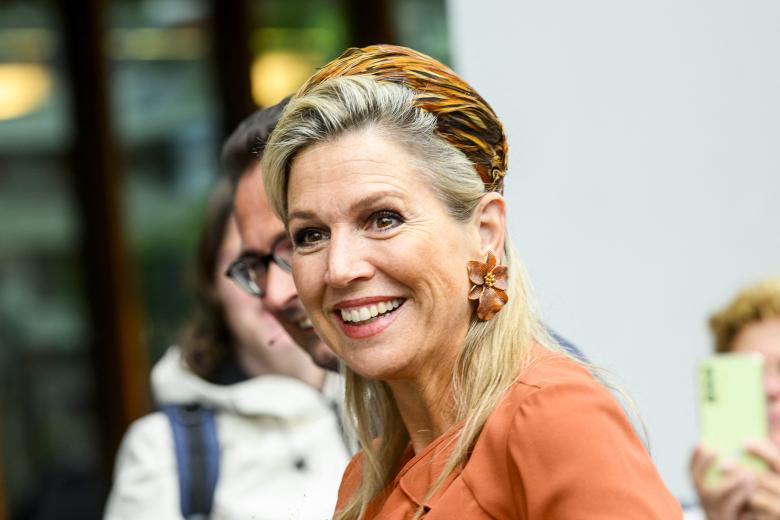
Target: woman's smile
[[367, 316]]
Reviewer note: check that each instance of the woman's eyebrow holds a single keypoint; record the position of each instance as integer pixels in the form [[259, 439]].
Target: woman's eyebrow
[[373, 200], [359, 205]]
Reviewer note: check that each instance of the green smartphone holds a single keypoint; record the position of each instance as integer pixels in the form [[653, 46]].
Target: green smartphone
[[732, 408]]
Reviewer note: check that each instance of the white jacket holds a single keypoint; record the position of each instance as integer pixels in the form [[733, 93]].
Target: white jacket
[[263, 424]]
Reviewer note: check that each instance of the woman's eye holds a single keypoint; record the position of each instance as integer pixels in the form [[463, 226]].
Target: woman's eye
[[385, 220], [309, 237]]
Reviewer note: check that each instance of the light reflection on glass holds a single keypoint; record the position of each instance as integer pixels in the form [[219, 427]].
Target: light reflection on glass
[[276, 74], [24, 87]]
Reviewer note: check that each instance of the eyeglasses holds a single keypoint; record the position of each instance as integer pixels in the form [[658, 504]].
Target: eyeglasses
[[250, 270]]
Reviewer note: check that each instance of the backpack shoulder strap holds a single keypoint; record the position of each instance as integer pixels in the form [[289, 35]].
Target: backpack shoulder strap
[[197, 457]]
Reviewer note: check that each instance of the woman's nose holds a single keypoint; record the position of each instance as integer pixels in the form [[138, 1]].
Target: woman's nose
[[347, 261]]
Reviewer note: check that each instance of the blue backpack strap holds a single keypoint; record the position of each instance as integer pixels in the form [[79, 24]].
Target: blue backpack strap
[[197, 457]]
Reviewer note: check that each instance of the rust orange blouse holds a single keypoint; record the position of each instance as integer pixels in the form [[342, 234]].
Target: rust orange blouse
[[558, 446]]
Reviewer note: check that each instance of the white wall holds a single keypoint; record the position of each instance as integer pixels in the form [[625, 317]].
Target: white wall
[[644, 182]]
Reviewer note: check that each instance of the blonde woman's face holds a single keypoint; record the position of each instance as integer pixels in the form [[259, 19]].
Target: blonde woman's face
[[379, 263], [764, 337]]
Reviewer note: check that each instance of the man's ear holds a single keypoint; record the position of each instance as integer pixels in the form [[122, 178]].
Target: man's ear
[[490, 219]]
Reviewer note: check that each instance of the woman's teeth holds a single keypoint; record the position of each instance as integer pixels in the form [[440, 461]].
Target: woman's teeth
[[359, 314]]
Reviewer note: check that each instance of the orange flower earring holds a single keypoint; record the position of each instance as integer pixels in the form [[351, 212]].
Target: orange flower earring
[[490, 284]]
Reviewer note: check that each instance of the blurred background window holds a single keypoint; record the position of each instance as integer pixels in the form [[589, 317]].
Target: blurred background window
[[289, 40], [46, 384], [170, 79], [165, 114]]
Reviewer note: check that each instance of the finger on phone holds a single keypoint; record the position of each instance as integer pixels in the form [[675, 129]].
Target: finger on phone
[[736, 491], [766, 451], [700, 463]]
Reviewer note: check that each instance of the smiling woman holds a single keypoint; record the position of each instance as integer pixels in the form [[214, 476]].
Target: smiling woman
[[388, 170], [388, 241]]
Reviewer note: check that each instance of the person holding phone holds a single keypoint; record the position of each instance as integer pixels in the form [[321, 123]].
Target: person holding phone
[[749, 324]]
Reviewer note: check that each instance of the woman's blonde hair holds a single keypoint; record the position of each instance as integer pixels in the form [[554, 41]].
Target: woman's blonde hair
[[493, 352], [758, 302]]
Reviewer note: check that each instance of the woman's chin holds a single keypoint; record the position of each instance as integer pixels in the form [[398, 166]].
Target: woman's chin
[[371, 372], [381, 370]]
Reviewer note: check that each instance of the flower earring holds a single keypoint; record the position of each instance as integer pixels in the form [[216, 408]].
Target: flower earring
[[490, 284]]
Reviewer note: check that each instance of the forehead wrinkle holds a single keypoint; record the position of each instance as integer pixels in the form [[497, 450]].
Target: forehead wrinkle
[[310, 196], [355, 153], [372, 199]]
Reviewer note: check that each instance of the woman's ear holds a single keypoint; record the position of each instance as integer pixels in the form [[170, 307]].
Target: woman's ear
[[490, 219]]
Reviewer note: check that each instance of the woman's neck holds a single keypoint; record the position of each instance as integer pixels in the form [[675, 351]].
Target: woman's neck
[[425, 405]]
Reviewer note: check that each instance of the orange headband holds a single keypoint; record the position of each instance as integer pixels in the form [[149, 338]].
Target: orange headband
[[464, 119]]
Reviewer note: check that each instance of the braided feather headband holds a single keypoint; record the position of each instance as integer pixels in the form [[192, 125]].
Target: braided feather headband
[[464, 119]]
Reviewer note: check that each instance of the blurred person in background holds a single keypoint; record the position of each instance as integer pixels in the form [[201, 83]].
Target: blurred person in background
[[750, 323], [281, 451], [263, 235]]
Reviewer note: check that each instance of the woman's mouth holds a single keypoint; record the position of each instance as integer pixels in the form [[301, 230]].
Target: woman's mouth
[[366, 313], [370, 319]]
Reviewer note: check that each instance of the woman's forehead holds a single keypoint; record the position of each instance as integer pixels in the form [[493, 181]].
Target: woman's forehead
[[364, 160], [346, 194], [366, 144]]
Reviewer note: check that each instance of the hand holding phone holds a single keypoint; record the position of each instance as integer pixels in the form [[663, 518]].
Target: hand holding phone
[[732, 410]]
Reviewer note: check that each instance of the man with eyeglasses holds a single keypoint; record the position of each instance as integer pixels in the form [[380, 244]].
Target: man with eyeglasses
[[272, 429], [263, 267]]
